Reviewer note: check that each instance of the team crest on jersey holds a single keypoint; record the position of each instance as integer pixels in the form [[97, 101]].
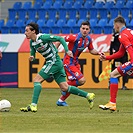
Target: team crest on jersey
[[87, 42], [77, 74]]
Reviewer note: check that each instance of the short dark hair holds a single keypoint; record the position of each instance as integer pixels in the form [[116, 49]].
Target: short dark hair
[[85, 23], [120, 19], [34, 26]]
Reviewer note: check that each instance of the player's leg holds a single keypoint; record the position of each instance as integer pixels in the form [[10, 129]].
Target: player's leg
[[75, 78], [61, 80]]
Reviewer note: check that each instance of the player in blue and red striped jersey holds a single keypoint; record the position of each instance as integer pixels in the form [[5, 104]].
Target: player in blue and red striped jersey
[[126, 40], [77, 43]]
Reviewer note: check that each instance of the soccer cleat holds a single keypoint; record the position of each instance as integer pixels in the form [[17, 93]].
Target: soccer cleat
[[110, 106], [90, 97], [29, 108], [61, 103]]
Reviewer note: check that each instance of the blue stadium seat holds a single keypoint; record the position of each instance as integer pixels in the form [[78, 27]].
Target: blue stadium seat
[[47, 5], [103, 12], [93, 13], [108, 29], [125, 12], [129, 4], [27, 5], [119, 4], [2, 22], [109, 5], [114, 12], [41, 22], [5, 30], [68, 4], [29, 21], [41, 13], [56, 30], [66, 30], [131, 22], [97, 30], [14, 30], [88, 4], [111, 22], [72, 13], [31, 13], [22, 14], [10, 23], [50, 23], [80, 21], [52, 13], [93, 22], [62, 13], [127, 20], [37, 5], [20, 23], [98, 5], [44, 29], [57, 4], [71, 23], [83, 13], [102, 22], [12, 14], [61, 23], [17, 5], [75, 29], [77, 5]]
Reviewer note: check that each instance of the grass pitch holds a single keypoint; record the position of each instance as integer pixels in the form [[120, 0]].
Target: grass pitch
[[76, 118]]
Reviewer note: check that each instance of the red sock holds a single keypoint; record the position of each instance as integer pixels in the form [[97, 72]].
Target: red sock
[[113, 92], [64, 97]]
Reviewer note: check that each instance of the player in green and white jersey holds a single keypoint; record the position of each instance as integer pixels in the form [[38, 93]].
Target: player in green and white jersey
[[43, 43]]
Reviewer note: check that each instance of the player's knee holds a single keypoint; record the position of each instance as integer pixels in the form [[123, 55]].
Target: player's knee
[[82, 81], [63, 86]]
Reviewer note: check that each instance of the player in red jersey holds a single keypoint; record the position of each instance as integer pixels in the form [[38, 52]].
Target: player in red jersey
[[126, 40], [77, 43]]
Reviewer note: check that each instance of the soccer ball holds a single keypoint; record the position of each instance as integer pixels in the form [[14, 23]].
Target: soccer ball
[[5, 105]]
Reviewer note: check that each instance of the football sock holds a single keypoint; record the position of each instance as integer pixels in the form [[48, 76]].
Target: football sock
[[36, 92], [113, 89], [64, 97], [74, 90]]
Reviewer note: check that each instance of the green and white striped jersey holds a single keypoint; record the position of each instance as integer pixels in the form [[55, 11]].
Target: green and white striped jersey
[[44, 45]]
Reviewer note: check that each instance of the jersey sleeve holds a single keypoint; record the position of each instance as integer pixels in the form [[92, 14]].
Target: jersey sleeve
[[70, 38], [32, 50], [118, 54], [52, 38], [90, 47]]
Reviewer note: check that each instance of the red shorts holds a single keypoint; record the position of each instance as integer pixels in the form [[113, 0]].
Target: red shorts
[[73, 72], [125, 69]]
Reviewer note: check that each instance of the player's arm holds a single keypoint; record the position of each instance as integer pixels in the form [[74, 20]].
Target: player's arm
[[32, 53], [116, 55], [0, 55], [52, 38]]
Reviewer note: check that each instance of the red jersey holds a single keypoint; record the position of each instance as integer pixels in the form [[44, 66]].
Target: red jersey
[[76, 44], [126, 40]]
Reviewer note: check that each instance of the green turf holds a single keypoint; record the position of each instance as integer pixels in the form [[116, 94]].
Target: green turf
[[76, 118]]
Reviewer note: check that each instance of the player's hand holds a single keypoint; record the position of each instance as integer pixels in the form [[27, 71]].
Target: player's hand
[[31, 58], [102, 57], [70, 53], [0, 55]]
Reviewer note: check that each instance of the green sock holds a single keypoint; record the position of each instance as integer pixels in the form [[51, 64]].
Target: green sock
[[36, 92], [74, 90]]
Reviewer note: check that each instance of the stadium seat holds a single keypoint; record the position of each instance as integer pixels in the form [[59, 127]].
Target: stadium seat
[[5, 30], [77, 5], [111, 22], [12, 13], [50, 23], [37, 5], [2, 22], [97, 30], [71, 23], [57, 5], [119, 4], [125, 12], [62, 14], [22, 14], [66, 30], [10, 23], [72, 13], [93, 13], [47, 5], [41, 22], [31, 13], [41, 13], [20, 23], [68, 5], [83, 13], [55, 30], [61, 23], [17, 5], [75, 29], [109, 5], [44, 29], [103, 13], [14, 30], [52, 13], [114, 12], [29, 21], [79, 22], [98, 5], [131, 22], [102, 22], [108, 29], [88, 4], [129, 4], [93, 22], [27, 5]]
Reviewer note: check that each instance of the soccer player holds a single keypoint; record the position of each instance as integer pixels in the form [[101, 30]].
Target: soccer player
[[114, 47], [0, 55], [43, 43], [126, 40], [77, 43]]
